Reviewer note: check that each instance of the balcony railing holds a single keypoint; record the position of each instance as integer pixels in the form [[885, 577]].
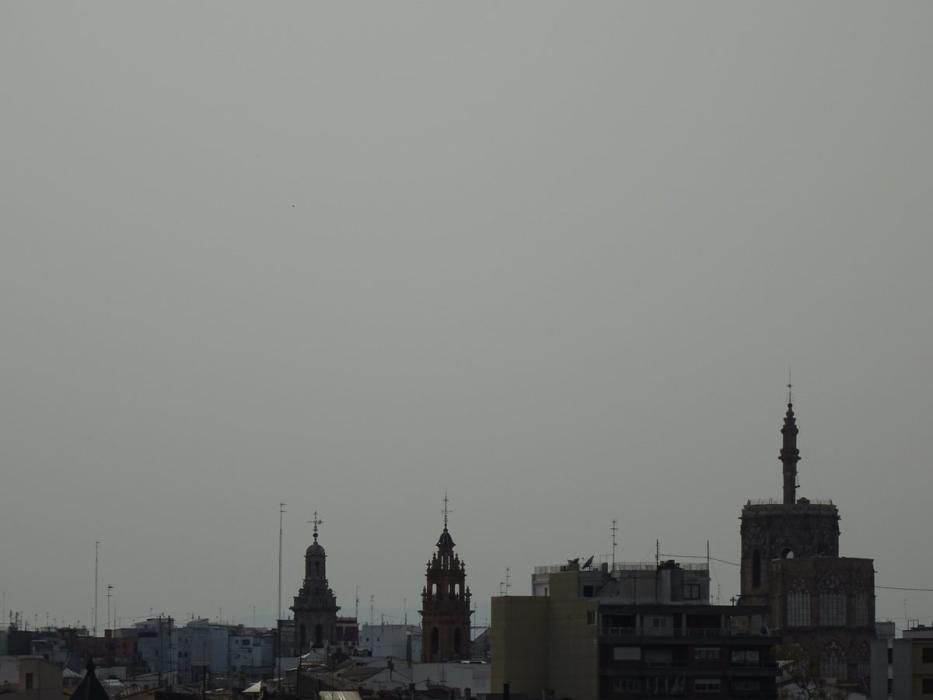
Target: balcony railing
[[690, 632]]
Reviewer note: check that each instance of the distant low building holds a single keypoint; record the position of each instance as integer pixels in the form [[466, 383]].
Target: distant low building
[[30, 678], [401, 642]]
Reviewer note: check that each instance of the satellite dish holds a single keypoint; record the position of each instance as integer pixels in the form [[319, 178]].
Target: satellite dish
[[588, 563]]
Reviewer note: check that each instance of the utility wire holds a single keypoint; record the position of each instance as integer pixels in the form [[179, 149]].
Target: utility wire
[[696, 556]]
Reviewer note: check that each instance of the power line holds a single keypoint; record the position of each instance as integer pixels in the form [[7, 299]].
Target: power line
[[903, 588]]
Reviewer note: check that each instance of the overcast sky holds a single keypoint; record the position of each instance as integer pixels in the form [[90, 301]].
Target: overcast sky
[[555, 258]]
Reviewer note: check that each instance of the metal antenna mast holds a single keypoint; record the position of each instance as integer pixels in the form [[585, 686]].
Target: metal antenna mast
[[372, 599], [109, 593], [278, 610], [614, 530], [96, 559]]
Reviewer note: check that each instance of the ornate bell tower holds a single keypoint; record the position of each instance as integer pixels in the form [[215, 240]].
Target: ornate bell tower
[[315, 605], [445, 604]]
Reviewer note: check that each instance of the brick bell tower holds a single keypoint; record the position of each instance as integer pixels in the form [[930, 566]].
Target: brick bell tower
[[445, 604]]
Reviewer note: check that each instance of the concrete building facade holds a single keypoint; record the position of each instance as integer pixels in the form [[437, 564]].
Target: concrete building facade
[[30, 678], [910, 660], [619, 634]]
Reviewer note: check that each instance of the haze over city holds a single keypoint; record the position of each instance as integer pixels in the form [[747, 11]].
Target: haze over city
[[555, 260]]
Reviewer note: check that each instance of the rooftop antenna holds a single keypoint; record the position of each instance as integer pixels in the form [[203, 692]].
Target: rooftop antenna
[[356, 610], [109, 594], [278, 610], [372, 599], [508, 579], [614, 530], [96, 558], [405, 613]]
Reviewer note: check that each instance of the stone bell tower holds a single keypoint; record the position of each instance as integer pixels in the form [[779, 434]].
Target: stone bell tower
[[315, 606], [785, 529], [820, 602], [445, 604]]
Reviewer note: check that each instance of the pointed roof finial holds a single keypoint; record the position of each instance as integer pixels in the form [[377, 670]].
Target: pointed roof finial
[[316, 521], [790, 388], [446, 510]]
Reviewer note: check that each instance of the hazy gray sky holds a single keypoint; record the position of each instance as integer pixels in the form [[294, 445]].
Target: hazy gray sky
[[553, 257]]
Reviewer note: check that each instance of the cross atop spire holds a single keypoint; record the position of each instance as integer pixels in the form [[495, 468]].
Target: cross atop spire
[[446, 510], [316, 521]]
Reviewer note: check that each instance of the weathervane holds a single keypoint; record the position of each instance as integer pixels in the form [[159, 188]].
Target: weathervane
[[446, 510], [316, 521]]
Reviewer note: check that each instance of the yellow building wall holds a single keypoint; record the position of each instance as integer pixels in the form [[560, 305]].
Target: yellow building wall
[[573, 654], [519, 641]]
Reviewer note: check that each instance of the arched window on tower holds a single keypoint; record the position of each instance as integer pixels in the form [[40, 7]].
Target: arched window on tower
[[457, 641], [302, 638], [756, 569], [435, 641], [318, 637]]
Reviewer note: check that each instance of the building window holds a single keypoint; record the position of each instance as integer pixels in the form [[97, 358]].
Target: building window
[[927, 655], [798, 609], [926, 687], [707, 685], [626, 685], [626, 654], [706, 654], [746, 686], [744, 657], [29, 681], [435, 640], [756, 569], [832, 609], [591, 617], [457, 641], [691, 591]]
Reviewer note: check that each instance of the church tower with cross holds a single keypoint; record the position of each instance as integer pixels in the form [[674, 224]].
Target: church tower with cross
[[818, 601], [445, 603], [315, 606]]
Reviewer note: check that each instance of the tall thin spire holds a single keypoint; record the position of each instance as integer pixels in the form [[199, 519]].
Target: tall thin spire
[[446, 510], [790, 455]]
